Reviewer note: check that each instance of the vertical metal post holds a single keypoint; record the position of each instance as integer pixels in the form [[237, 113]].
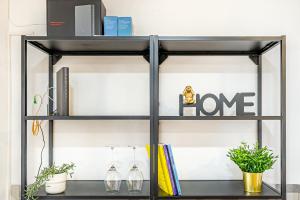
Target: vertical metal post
[[283, 115], [156, 110], [50, 108], [23, 114], [152, 165], [154, 107], [259, 100]]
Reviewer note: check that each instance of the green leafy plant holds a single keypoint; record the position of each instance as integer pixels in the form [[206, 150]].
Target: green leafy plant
[[44, 176], [252, 160]]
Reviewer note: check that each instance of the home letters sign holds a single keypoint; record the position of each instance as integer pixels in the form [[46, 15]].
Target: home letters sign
[[220, 102]]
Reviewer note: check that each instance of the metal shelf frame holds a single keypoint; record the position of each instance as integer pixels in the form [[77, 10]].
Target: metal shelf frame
[[90, 117], [155, 49]]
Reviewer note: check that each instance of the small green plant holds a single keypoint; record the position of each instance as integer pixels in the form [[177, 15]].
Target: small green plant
[[44, 176], [252, 160]]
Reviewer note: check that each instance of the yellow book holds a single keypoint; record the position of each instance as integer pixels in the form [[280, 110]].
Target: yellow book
[[164, 165], [161, 177]]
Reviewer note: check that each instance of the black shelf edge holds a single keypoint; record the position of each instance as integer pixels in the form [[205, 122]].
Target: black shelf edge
[[208, 53], [91, 45], [188, 38], [222, 38], [95, 117], [220, 189], [220, 118], [95, 189], [217, 45], [170, 45], [100, 37]]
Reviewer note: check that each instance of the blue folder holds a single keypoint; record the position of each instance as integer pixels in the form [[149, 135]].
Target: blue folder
[[124, 26], [111, 26], [175, 175]]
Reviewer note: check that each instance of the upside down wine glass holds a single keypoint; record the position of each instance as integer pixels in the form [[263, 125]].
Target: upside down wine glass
[[135, 177], [113, 177]]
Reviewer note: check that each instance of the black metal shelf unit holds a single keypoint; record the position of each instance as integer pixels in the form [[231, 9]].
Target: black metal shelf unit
[[155, 50]]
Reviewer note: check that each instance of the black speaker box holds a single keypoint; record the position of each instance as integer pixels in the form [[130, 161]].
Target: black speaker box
[[62, 16]]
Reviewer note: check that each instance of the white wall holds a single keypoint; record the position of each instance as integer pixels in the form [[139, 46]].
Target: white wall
[[4, 102], [203, 144]]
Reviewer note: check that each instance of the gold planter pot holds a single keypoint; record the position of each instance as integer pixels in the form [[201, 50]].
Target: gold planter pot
[[252, 182]]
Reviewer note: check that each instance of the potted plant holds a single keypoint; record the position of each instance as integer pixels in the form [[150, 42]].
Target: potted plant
[[54, 178], [253, 162]]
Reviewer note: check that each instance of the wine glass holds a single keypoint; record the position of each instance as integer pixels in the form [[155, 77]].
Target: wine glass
[[135, 176], [113, 177]]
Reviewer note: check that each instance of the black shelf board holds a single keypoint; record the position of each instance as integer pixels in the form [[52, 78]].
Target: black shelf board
[[220, 189], [96, 45], [241, 45], [95, 190], [87, 117], [220, 117]]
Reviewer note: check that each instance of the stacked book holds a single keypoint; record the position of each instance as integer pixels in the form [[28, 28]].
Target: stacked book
[[117, 26], [167, 174]]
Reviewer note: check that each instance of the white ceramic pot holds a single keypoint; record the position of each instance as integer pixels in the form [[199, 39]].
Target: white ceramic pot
[[56, 184]]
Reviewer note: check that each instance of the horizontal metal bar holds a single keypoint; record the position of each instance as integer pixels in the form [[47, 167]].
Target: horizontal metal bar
[[220, 38], [101, 117], [220, 197], [208, 53], [84, 38], [220, 117], [52, 197], [101, 53], [166, 38]]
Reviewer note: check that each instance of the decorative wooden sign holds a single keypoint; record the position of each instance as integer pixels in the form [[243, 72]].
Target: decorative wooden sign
[[238, 100]]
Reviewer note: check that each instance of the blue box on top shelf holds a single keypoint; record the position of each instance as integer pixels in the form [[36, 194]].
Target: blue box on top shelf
[[111, 26], [124, 26]]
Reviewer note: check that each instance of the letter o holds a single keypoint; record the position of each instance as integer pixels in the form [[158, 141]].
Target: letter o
[[215, 98]]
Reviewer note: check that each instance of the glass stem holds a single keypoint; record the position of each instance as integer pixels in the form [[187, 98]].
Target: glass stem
[[112, 155], [134, 155]]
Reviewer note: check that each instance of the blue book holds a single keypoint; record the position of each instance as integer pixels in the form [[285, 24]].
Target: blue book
[[175, 175], [170, 170], [110, 25], [124, 26]]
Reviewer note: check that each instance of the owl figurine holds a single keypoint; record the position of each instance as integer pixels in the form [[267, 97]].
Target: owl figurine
[[189, 95]]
